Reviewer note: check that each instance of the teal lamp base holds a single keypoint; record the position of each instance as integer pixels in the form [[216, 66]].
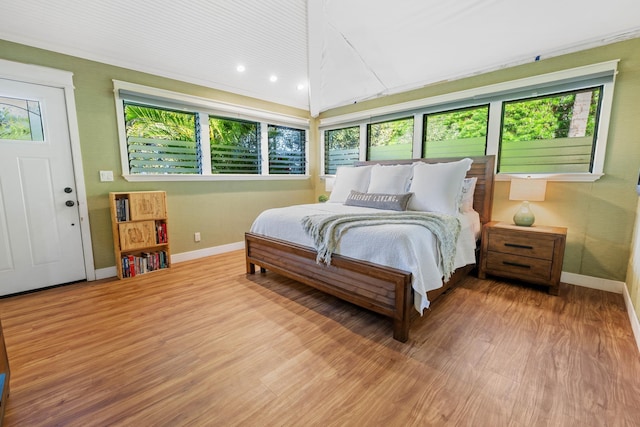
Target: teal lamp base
[[524, 217]]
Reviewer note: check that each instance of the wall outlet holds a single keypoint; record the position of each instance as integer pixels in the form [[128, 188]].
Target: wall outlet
[[196, 236]]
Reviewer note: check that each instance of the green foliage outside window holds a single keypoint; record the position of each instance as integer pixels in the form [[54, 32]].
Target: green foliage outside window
[[548, 117], [391, 140], [342, 147], [456, 133], [161, 141], [235, 146], [20, 120]]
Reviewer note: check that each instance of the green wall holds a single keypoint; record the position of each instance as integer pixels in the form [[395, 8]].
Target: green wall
[[600, 215], [220, 210]]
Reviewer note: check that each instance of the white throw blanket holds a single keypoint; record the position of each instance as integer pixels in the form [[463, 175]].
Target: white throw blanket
[[401, 246], [327, 230]]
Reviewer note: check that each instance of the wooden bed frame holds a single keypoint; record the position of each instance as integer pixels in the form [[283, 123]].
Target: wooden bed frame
[[382, 289]]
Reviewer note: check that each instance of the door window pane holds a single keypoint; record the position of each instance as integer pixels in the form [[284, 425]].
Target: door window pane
[[20, 119]]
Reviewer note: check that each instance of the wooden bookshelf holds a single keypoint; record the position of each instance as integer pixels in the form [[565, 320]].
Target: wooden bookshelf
[[140, 238]]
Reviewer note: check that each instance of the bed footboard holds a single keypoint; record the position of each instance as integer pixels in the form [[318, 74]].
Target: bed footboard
[[381, 289]]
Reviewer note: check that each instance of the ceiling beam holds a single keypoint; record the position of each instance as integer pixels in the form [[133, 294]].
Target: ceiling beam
[[315, 27]]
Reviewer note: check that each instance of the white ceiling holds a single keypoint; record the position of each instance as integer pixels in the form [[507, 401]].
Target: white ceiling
[[341, 51]]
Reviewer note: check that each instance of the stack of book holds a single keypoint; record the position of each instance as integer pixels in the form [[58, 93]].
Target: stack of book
[[133, 265]]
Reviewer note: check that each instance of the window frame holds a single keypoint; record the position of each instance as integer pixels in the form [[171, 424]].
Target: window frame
[[204, 108], [495, 95]]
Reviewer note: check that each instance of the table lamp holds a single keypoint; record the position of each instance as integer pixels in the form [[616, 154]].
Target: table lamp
[[527, 190]]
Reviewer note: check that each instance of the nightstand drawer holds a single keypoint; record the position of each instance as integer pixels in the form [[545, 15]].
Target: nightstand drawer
[[526, 245], [531, 269], [530, 254]]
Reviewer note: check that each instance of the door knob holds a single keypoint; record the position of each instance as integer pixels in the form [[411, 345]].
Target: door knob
[[68, 190], [69, 203]]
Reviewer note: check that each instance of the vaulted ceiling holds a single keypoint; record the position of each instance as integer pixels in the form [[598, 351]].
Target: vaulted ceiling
[[324, 53]]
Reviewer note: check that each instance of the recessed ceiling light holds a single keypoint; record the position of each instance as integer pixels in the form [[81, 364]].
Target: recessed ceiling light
[[273, 78], [300, 86], [240, 68]]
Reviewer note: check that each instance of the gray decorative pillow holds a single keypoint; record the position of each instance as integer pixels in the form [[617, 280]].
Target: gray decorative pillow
[[394, 202]]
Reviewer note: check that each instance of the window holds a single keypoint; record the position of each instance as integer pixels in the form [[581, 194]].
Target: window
[[235, 146], [167, 136], [390, 140], [161, 141], [553, 124], [286, 150], [342, 147], [456, 133], [20, 120], [550, 134]]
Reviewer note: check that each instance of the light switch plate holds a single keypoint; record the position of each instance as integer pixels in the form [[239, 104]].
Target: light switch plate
[[106, 176]]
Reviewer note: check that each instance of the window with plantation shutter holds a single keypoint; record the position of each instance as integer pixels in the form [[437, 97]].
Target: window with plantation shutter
[[551, 125], [456, 133], [550, 134], [341, 148], [286, 150], [390, 140], [168, 136], [235, 146]]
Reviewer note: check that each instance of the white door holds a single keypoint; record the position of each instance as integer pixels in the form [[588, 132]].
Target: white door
[[40, 237]]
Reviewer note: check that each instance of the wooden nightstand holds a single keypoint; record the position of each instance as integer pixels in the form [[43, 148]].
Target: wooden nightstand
[[531, 254]]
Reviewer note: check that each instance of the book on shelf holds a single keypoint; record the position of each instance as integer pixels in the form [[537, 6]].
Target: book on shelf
[[133, 265], [122, 210], [161, 232]]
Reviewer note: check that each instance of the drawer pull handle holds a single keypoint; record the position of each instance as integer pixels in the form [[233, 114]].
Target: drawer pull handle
[[515, 264], [515, 245]]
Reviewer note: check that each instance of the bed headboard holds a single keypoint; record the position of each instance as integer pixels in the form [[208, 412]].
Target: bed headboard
[[482, 168]]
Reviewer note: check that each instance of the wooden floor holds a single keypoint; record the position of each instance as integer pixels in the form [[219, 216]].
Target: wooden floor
[[206, 345]]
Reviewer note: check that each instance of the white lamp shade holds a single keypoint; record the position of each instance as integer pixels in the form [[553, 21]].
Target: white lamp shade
[[531, 190]]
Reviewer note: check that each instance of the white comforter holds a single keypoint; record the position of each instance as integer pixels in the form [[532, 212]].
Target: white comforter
[[406, 247]]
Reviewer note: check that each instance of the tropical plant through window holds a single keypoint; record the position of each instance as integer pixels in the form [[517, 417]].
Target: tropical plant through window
[[550, 134], [456, 133], [286, 150], [391, 139], [342, 147], [235, 146], [161, 141]]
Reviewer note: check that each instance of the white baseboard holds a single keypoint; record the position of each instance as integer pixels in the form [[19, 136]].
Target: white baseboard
[[633, 317], [592, 282], [201, 253], [104, 273]]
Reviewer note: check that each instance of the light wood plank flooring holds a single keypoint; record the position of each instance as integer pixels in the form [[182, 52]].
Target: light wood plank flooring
[[206, 345]]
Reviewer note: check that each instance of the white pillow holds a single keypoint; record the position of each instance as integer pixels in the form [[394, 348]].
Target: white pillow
[[390, 179], [436, 186], [465, 203], [349, 178]]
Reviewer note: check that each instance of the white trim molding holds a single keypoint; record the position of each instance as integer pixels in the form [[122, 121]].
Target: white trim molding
[[201, 253], [592, 282], [62, 79], [633, 317]]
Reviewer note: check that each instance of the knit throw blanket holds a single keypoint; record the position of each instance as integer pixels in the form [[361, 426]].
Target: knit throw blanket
[[327, 230]]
